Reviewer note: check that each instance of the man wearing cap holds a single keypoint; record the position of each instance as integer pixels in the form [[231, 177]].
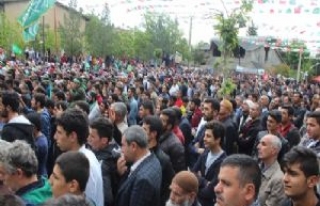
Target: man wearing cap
[[184, 189]]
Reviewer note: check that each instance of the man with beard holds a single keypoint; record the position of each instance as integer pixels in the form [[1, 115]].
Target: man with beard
[[17, 127], [248, 133], [184, 189], [229, 144]]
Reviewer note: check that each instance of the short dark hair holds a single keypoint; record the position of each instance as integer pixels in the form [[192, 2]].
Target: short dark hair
[[62, 104], [305, 157], [299, 93], [41, 98], [315, 115], [74, 166], [83, 105], [249, 171], [148, 104], [155, 124], [276, 115], [74, 120], [35, 119], [197, 101], [11, 99], [178, 113], [104, 127], [215, 104], [171, 114], [49, 103], [217, 128], [60, 95], [289, 108]]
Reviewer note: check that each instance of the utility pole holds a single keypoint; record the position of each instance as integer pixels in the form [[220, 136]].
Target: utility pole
[[299, 64], [190, 36], [43, 39]]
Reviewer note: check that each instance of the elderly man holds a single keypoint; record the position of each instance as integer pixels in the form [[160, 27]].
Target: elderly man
[[21, 166], [141, 184], [184, 189], [271, 190], [117, 114]]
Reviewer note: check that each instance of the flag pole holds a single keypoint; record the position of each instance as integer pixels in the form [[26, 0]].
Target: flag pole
[[43, 39]]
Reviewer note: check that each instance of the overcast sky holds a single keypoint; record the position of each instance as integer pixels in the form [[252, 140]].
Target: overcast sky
[[128, 13]]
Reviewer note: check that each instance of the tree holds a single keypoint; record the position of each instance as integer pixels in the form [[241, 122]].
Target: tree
[[292, 55], [71, 35], [164, 33], [11, 33], [199, 53], [227, 28], [252, 30]]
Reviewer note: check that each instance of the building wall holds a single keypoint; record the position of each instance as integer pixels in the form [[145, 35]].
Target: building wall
[[53, 17]]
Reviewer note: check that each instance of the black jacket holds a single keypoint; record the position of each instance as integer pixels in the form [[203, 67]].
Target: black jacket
[[248, 136], [171, 145], [167, 173], [231, 136], [108, 161], [207, 181], [18, 131]]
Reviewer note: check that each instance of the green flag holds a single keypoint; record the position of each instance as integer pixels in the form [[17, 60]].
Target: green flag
[[16, 49], [35, 9], [29, 34]]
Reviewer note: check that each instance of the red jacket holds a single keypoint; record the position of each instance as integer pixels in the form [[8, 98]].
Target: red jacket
[[196, 117], [176, 130]]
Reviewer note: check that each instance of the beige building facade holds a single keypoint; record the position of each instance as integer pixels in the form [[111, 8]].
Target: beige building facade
[[54, 17]]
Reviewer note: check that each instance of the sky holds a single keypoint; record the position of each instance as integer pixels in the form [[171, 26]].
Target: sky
[[285, 19]]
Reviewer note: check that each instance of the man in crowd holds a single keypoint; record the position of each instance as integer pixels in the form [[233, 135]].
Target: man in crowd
[[287, 128], [153, 127], [18, 127], [169, 143], [133, 105], [70, 174], [21, 167], [184, 189], [117, 115], [140, 185], [301, 176], [239, 181], [208, 165], [71, 135], [100, 140], [271, 190], [313, 132]]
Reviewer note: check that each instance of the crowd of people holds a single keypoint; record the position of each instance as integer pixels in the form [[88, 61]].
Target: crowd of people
[[135, 135]]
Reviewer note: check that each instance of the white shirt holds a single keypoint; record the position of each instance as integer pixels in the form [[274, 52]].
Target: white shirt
[[94, 188], [137, 163]]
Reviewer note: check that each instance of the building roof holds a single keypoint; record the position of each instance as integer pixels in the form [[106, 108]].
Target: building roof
[[247, 45]]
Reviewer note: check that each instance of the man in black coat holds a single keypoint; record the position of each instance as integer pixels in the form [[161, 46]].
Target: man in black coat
[[153, 127]]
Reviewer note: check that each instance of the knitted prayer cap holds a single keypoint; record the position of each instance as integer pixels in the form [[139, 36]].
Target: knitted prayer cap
[[187, 181]]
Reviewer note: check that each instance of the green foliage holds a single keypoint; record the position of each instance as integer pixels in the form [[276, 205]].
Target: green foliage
[[227, 87], [282, 69], [227, 28], [198, 53], [71, 35], [98, 36], [252, 30], [292, 57], [10, 33]]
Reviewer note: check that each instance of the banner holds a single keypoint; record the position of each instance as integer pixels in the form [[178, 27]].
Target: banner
[[29, 34], [15, 49], [34, 11]]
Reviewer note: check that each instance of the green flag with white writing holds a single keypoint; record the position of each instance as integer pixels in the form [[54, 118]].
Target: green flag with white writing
[[34, 11], [29, 33]]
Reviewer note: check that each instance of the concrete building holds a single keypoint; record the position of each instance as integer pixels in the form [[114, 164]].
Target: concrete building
[[53, 17]]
